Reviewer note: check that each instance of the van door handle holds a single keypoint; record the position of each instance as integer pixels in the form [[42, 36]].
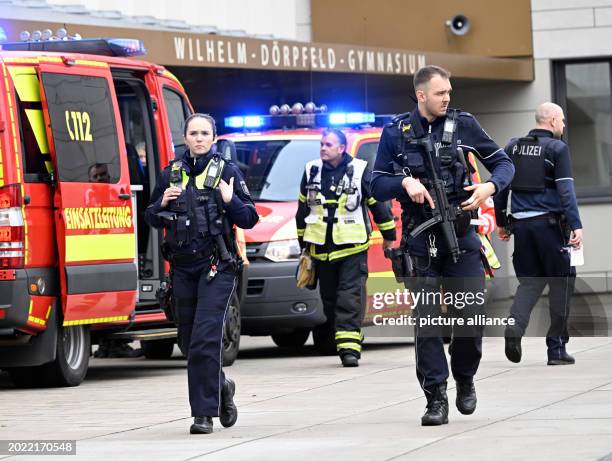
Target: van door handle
[[124, 196]]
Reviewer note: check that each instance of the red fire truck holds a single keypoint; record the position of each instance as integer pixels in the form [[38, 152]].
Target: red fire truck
[[77, 263]]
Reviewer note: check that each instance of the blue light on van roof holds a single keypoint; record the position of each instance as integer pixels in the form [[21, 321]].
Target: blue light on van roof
[[234, 122], [247, 121], [351, 118], [253, 121], [127, 46]]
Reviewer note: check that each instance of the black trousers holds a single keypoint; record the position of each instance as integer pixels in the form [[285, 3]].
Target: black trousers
[[442, 275], [540, 259], [201, 307], [342, 288]]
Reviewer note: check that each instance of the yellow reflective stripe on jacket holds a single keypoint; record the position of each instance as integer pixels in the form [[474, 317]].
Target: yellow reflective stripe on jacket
[[387, 225], [339, 253], [300, 232], [301, 197], [371, 201]]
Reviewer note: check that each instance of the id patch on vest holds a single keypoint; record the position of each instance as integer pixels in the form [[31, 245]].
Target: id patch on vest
[[244, 187]]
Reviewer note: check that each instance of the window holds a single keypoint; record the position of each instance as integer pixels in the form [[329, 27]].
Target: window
[[177, 113], [274, 168], [583, 89], [83, 128], [367, 152]]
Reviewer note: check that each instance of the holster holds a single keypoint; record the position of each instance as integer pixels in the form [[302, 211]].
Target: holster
[[164, 295], [401, 263]]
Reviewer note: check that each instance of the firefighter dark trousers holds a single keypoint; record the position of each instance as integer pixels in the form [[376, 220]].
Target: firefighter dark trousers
[[442, 276], [202, 306], [342, 287], [540, 258]]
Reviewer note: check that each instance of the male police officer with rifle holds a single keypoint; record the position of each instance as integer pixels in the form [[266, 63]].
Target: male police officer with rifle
[[421, 163]]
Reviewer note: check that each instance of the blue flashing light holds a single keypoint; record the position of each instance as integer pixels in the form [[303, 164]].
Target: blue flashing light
[[351, 118], [127, 46], [247, 121], [3, 36], [234, 122], [253, 121]]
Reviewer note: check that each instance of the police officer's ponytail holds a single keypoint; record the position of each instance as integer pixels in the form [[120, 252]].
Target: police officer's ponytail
[[208, 117]]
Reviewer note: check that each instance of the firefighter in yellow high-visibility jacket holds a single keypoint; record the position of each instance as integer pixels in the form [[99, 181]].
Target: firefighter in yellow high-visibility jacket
[[334, 227]]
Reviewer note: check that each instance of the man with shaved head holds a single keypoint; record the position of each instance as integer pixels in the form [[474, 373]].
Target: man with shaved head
[[545, 222]]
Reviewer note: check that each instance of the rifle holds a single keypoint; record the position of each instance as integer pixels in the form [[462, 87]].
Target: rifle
[[443, 213]]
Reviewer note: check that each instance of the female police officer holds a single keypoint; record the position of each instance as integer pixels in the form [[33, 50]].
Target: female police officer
[[197, 199]]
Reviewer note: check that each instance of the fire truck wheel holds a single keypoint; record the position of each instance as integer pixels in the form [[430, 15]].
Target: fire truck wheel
[[324, 341], [72, 357], [231, 332], [159, 349], [297, 338]]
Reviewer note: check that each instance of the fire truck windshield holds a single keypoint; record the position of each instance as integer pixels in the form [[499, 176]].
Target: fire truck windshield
[[273, 168]]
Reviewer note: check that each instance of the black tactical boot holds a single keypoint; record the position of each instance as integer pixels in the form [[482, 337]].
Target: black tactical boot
[[229, 412], [466, 397], [563, 359], [201, 425], [514, 351], [349, 360], [437, 406]]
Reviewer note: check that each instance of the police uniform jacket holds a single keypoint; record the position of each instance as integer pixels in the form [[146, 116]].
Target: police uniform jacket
[[558, 196], [239, 211], [388, 172]]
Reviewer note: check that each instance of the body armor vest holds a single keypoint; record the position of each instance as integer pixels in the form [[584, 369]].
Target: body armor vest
[[197, 208], [449, 159], [529, 156], [349, 225]]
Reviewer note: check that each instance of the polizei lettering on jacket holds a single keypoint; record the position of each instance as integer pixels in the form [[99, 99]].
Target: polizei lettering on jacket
[[112, 217], [525, 149]]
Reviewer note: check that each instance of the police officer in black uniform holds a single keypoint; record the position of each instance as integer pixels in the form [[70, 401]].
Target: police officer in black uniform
[[333, 224], [197, 200], [545, 223], [432, 136]]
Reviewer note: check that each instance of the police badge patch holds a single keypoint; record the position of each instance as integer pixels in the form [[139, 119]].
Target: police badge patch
[[245, 189]]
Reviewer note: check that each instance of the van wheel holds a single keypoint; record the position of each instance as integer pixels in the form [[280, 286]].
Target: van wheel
[[231, 332], [72, 357], [297, 338], [160, 349], [69, 367], [324, 339]]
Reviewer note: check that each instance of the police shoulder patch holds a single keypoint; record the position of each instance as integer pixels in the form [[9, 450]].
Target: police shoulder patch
[[244, 188]]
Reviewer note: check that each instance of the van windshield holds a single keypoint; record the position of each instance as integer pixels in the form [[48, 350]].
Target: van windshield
[[273, 169]]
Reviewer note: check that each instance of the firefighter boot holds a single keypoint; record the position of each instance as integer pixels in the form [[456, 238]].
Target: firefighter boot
[[466, 397], [437, 406], [201, 425], [349, 359], [229, 413]]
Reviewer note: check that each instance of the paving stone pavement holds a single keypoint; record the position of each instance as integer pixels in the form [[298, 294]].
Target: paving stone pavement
[[295, 405]]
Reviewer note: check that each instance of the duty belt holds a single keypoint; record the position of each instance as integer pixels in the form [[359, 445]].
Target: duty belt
[[190, 258]]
